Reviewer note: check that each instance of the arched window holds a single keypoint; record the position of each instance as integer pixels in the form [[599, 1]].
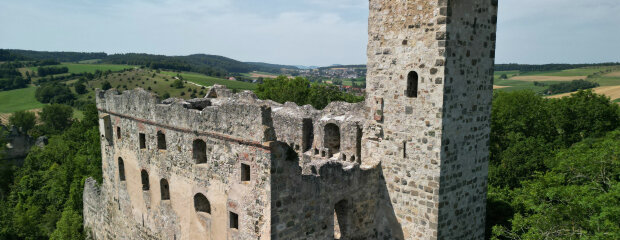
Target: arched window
[[161, 140], [332, 138], [341, 220], [201, 203], [145, 180], [412, 85], [121, 169], [165, 189], [200, 151]]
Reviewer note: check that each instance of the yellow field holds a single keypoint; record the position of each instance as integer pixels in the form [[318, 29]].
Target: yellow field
[[613, 74], [541, 78], [4, 117], [499, 87], [611, 91]]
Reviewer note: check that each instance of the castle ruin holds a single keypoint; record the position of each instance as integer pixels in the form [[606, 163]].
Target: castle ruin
[[408, 163]]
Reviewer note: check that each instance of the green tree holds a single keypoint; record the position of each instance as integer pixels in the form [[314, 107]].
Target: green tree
[[579, 198], [69, 227], [56, 117], [106, 85], [504, 76], [584, 114], [80, 88], [178, 84], [23, 120]]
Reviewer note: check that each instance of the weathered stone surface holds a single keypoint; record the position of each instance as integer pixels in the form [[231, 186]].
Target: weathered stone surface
[[408, 163]]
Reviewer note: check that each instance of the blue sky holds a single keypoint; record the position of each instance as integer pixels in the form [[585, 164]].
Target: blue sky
[[299, 32]]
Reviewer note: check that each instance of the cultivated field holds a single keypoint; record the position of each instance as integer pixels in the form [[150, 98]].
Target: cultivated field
[[607, 77], [611, 91], [543, 78]]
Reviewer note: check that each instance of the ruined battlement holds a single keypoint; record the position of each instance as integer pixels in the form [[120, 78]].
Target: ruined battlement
[[410, 162]]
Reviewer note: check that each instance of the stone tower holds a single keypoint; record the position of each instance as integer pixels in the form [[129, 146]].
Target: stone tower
[[429, 91]]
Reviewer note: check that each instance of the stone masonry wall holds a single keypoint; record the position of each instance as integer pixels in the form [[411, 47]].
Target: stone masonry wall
[[127, 211], [470, 53]]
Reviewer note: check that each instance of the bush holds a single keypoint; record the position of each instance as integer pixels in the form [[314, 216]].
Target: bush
[[106, 85], [177, 84], [54, 93], [80, 88]]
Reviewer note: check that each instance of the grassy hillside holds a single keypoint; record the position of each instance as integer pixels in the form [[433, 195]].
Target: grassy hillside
[[204, 80], [17, 100], [149, 80]]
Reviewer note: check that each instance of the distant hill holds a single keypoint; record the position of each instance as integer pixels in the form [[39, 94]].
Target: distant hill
[[212, 65], [344, 66], [58, 56]]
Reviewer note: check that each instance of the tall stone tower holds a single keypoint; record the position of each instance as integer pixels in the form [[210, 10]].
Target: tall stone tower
[[429, 86]]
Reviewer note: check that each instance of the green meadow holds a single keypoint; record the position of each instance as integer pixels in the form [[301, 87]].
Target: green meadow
[[18, 100]]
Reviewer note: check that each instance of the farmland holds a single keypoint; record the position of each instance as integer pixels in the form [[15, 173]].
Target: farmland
[[606, 76]]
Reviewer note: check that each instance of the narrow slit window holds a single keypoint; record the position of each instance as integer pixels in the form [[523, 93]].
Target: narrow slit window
[[341, 220], [118, 132], [161, 140], [234, 220], [165, 189], [145, 180], [245, 172], [142, 141], [412, 85], [121, 169]]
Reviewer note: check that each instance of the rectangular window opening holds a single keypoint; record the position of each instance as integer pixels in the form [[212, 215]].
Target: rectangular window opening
[[245, 172], [234, 220], [142, 141]]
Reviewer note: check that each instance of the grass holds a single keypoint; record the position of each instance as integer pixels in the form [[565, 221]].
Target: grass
[[617, 100], [18, 100], [158, 83], [210, 81], [90, 68]]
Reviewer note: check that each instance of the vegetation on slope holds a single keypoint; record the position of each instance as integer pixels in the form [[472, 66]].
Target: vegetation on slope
[[300, 91], [45, 199], [537, 145]]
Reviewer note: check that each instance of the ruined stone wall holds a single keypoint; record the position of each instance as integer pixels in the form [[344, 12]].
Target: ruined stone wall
[[304, 204], [234, 132]]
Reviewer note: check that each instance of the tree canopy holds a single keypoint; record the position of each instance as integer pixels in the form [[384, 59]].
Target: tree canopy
[[300, 91]]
